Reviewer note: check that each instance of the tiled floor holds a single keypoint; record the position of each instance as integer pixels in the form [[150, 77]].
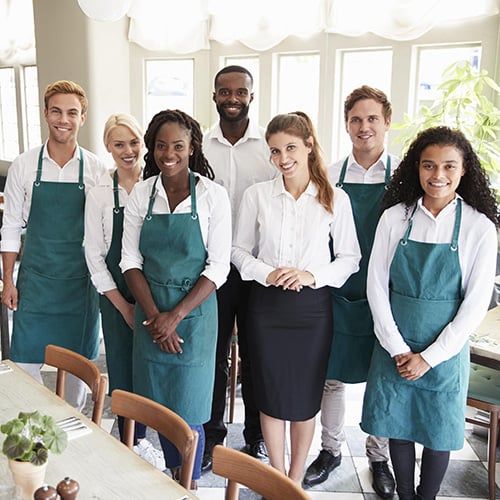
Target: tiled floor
[[466, 477]]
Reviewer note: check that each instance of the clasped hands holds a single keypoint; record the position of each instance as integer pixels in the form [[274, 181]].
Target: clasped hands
[[290, 278], [411, 366], [162, 328]]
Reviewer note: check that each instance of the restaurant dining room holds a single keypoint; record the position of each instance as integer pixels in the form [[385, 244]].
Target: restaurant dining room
[[140, 365]]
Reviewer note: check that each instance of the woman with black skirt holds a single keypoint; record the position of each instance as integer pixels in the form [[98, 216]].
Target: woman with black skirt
[[282, 242]]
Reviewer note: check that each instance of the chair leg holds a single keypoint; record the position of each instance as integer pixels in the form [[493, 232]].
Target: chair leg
[[492, 451], [233, 379]]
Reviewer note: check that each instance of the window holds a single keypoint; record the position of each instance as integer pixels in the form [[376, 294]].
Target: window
[[298, 84], [9, 140], [169, 85], [31, 107], [430, 63], [358, 67]]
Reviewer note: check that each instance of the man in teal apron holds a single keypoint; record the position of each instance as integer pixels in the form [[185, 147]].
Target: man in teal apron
[[53, 301], [363, 175]]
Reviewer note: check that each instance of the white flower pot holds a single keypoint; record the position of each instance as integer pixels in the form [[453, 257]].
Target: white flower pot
[[28, 477]]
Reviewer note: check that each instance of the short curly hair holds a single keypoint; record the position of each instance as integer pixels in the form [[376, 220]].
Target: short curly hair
[[474, 185], [197, 161]]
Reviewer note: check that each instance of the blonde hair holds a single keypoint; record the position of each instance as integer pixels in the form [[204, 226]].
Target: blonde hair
[[126, 121], [66, 87], [300, 125]]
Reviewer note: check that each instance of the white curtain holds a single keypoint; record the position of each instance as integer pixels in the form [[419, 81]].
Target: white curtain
[[189, 25], [402, 19], [17, 32]]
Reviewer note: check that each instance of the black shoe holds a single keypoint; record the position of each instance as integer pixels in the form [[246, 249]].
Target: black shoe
[[206, 461], [383, 481], [320, 469], [258, 450]]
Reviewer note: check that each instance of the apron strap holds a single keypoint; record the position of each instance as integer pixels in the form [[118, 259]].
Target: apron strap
[[81, 184], [39, 167], [456, 229], [192, 192], [404, 240], [152, 199], [116, 208], [342, 174]]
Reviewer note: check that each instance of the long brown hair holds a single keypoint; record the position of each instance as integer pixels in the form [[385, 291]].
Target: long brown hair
[[300, 125]]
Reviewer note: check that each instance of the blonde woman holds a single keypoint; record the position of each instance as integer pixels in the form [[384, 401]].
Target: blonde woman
[[103, 237]]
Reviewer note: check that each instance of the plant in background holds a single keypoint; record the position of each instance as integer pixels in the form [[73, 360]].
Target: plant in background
[[461, 104], [30, 436]]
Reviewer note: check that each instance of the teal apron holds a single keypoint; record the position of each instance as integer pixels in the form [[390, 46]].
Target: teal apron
[[425, 294], [174, 258], [353, 336], [57, 302], [118, 337]]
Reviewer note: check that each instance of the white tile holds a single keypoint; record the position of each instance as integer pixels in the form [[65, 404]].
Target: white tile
[[466, 453], [320, 495], [210, 493]]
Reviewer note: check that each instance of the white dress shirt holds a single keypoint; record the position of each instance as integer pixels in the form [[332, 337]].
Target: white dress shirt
[[19, 186], [275, 230], [238, 166], [214, 216], [477, 251], [99, 207], [356, 174]]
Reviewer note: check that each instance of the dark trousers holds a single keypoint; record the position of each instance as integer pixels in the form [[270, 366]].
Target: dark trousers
[[432, 470], [232, 299]]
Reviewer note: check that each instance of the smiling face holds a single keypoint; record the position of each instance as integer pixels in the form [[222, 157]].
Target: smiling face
[[64, 118], [232, 96], [440, 170], [367, 127], [125, 147], [290, 154], [172, 149]]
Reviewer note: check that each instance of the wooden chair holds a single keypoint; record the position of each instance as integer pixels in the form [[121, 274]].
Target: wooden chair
[[240, 468], [484, 394], [79, 366], [134, 407]]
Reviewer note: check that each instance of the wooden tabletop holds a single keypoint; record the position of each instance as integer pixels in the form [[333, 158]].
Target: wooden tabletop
[[104, 467], [485, 342]]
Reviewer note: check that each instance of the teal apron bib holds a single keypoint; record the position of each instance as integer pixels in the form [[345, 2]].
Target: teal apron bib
[[118, 337], [425, 294], [353, 336], [174, 258], [57, 302]]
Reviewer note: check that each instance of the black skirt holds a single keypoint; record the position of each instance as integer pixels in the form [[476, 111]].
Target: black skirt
[[289, 336]]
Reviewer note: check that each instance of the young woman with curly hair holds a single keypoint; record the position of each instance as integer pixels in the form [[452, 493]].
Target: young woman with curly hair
[[176, 249], [430, 280]]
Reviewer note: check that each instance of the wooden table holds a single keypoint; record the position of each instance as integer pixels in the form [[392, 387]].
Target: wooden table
[[104, 467], [485, 342]]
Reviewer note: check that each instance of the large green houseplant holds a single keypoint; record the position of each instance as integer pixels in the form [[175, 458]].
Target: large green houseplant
[[461, 103]]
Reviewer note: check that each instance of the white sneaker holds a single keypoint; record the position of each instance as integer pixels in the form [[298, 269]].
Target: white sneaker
[[148, 452]]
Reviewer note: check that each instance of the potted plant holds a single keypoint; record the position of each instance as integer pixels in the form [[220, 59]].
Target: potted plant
[[29, 439], [461, 103]]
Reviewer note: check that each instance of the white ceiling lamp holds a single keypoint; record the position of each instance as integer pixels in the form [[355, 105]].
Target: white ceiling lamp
[[106, 11]]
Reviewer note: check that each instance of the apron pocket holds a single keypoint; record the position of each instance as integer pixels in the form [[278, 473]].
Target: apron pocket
[[191, 330], [351, 317], [444, 377]]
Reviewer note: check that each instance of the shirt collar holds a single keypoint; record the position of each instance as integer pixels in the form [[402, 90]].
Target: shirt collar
[[380, 164], [252, 132], [279, 187]]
